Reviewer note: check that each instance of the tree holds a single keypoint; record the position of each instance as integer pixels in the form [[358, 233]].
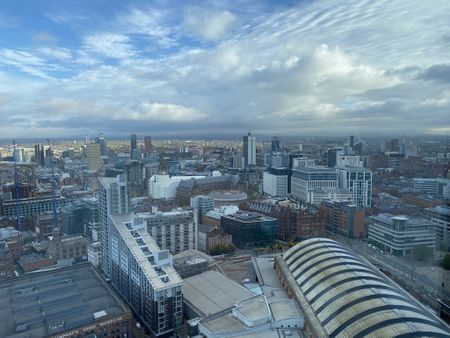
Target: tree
[[446, 262], [422, 252]]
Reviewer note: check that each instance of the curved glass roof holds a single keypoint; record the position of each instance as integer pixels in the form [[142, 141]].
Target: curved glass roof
[[352, 299]]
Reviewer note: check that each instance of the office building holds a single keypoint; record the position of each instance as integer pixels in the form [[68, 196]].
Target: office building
[[143, 275], [203, 204], [175, 231], [32, 206], [344, 218], [94, 162], [349, 161], [237, 160], [134, 173], [113, 200], [401, 235], [39, 155], [298, 162], [133, 147], [249, 150], [351, 141], [440, 216], [279, 160], [250, 229], [275, 145], [425, 185], [315, 184], [148, 147], [341, 295], [358, 181], [275, 182], [332, 155], [101, 140]]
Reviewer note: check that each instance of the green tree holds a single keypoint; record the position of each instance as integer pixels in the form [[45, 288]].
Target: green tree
[[446, 262]]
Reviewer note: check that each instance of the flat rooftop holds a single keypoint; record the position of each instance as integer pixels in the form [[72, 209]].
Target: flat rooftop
[[211, 292], [51, 302]]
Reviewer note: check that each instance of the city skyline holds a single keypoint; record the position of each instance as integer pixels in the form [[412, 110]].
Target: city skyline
[[312, 68]]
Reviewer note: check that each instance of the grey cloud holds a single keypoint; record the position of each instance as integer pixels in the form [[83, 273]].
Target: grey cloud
[[439, 73]]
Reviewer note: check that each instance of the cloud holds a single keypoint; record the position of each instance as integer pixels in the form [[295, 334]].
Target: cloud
[[109, 45], [312, 68], [56, 53], [166, 112], [209, 24], [45, 38], [439, 73]]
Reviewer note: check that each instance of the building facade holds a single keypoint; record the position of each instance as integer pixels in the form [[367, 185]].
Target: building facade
[[175, 231], [113, 200], [93, 160], [249, 150], [358, 181], [316, 184], [250, 229], [275, 184], [401, 235], [440, 216], [143, 275], [343, 218]]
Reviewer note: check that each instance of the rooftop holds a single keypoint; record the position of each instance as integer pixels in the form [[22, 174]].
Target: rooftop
[[48, 303], [211, 292], [250, 217], [144, 249], [349, 297]]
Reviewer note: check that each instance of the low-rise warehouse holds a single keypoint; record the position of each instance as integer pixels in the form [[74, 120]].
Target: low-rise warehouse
[[67, 302]]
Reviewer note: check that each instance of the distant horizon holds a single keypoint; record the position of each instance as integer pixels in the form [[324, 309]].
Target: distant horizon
[[237, 138]]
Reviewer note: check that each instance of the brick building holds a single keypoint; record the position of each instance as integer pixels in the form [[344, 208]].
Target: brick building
[[210, 236], [343, 218], [295, 221]]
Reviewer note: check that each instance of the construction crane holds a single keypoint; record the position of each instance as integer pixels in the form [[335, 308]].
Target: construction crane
[[54, 221], [16, 186]]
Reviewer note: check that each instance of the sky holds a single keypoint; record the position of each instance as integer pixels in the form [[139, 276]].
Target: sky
[[217, 68]]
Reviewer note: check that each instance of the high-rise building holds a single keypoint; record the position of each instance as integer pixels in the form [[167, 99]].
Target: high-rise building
[[275, 145], [94, 162], [39, 154], [237, 160], [358, 181], [332, 156], [148, 148], [101, 140], [249, 150], [143, 275], [351, 141], [134, 172], [113, 200], [133, 146]]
